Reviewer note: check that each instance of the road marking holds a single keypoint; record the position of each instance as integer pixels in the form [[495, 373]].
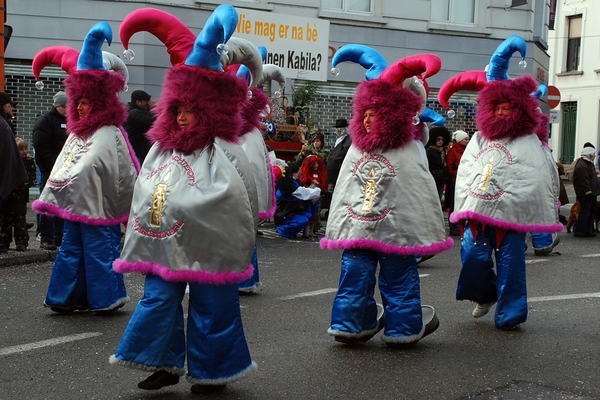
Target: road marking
[[564, 297], [537, 260], [423, 275], [44, 343], [590, 255], [309, 294]]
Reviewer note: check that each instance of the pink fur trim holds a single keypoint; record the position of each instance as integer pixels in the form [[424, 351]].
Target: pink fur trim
[[251, 110], [167, 274], [134, 158], [395, 110], [542, 129], [214, 97], [376, 245], [42, 207], [524, 118], [101, 88], [484, 219]]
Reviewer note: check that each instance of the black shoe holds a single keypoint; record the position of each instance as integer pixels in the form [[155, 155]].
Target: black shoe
[[47, 246], [63, 310], [158, 380], [590, 234], [579, 234], [425, 258], [20, 247], [205, 389], [29, 225]]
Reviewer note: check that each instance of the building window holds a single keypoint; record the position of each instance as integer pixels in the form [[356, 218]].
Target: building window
[[362, 6], [574, 43], [453, 11]]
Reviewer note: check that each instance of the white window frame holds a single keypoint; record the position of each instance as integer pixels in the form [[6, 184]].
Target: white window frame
[[345, 8], [453, 7]]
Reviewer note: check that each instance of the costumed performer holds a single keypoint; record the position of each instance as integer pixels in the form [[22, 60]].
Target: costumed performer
[[506, 186], [193, 216], [91, 183], [313, 174], [373, 217]]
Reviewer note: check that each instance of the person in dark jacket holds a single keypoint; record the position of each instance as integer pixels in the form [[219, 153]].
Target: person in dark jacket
[[337, 154], [585, 183], [439, 138], [49, 136], [139, 121], [6, 110]]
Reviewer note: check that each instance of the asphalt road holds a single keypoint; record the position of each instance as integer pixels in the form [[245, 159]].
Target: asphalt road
[[554, 355]]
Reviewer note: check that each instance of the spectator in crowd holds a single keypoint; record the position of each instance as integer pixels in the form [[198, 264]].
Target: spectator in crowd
[[585, 183], [6, 110], [313, 174], [15, 211], [139, 120], [294, 203], [439, 138], [315, 146], [49, 137], [340, 148], [12, 171], [455, 153]]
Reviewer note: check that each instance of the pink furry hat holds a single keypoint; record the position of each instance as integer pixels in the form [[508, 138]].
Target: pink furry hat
[[101, 89], [395, 108], [251, 110], [524, 118], [213, 96]]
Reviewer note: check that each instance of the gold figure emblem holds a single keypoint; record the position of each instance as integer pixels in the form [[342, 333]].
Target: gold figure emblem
[[369, 194], [158, 200], [486, 175]]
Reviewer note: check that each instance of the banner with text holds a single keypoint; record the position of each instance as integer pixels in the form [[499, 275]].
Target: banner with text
[[299, 45]]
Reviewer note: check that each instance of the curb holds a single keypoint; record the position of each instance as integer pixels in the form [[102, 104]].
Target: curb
[[18, 258]]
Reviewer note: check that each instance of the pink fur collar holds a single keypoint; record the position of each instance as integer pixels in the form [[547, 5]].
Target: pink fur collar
[[101, 88], [214, 97], [395, 110]]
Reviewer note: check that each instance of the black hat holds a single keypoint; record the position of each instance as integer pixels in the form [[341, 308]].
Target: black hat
[[140, 95], [4, 98], [588, 144], [340, 123]]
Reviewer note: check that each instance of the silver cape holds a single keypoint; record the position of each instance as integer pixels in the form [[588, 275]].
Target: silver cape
[[92, 178], [511, 183], [256, 150], [386, 200], [193, 212]]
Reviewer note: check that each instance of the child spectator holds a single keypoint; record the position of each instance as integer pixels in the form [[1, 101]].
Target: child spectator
[[15, 212]]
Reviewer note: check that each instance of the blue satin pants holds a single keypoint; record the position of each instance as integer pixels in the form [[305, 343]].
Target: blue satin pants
[[354, 312], [479, 282], [216, 348], [541, 241], [251, 283], [82, 276], [293, 226]]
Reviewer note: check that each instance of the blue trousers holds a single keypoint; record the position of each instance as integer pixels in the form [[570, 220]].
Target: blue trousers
[[216, 348], [293, 226], [479, 282], [354, 312], [250, 284], [82, 276]]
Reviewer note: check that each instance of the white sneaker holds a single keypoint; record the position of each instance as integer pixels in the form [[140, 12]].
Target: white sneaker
[[482, 309]]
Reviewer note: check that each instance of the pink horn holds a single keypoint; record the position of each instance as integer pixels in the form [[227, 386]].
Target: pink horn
[[426, 65], [468, 80], [63, 56], [177, 37]]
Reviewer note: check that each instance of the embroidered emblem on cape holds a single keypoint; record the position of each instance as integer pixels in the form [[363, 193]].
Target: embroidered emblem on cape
[[372, 170], [164, 177], [486, 185], [75, 149]]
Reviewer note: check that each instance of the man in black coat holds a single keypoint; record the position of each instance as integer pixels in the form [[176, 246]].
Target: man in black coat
[[139, 121], [49, 137], [338, 153]]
